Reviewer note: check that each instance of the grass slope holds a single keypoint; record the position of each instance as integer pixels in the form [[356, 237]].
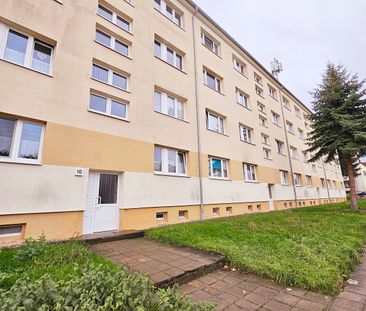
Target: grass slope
[[313, 248]]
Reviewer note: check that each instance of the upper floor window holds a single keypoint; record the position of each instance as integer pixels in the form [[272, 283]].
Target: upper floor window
[[239, 66], [301, 133], [322, 182], [242, 98], [265, 139], [109, 76], [249, 172], [297, 111], [275, 118], [212, 80], [293, 152], [272, 92], [305, 156], [309, 182], [307, 125], [259, 91], [169, 12], [112, 42], [210, 43], [289, 127], [114, 18], [280, 147], [25, 50], [261, 107], [297, 179], [20, 141], [168, 55], [262, 121], [215, 122], [108, 106], [168, 105], [217, 167], [286, 103], [267, 153], [258, 78], [170, 161], [283, 177], [246, 134]]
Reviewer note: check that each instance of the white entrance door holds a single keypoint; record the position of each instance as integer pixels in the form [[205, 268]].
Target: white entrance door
[[270, 194], [101, 213]]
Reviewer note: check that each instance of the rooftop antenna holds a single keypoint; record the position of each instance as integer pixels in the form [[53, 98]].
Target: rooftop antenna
[[276, 68]]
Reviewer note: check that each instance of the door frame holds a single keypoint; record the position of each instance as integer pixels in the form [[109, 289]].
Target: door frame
[[270, 197]]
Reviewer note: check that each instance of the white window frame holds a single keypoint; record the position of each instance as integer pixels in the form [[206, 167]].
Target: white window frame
[[113, 43], [293, 152], [109, 107], [279, 146], [265, 139], [261, 107], [28, 57], [115, 17], [262, 121], [220, 120], [267, 153], [259, 91], [164, 104], [297, 111], [301, 133], [224, 163], [242, 98], [240, 66], [309, 182], [165, 161], [258, 79], [110, 77], [162, 8], [164, 55], [246, 132], [218, 81], [250, 174], [305, 156], [322, 181], [15, 143], [275, 118], [272, 92], [297, 180], [215, 45], [286, 103], [284, 177], [289, 127]]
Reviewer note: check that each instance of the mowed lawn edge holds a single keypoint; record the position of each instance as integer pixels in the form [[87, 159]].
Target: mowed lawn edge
[[315, 248]]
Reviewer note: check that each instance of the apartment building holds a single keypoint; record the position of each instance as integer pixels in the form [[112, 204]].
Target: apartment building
[[360, 180], [130, 114]]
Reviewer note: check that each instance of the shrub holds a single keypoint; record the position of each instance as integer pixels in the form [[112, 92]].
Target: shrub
[[98, 289], [31, 248]]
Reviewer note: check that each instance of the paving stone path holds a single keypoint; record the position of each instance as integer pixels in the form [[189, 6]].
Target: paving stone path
[[230, 290]]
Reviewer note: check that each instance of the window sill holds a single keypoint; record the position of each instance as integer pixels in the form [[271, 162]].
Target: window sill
[[108, 47], [246, 107], [167, 115], [165, 62], [265, 113], [108, 115], [212, 51], [28, 68], [247, 142], [242, 74], [21, 161], [129, 32], [223, 134], [251, 181], [268, 159], [281, 154], [277, 125], [171, 175], [131, 4], [219, 178], [292, 133], [285, 185], [264, 126], [211, 88], [169, 19], [105, 83], [274, 98]]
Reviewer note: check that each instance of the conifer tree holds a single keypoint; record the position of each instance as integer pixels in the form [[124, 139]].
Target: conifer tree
[[339, 122]]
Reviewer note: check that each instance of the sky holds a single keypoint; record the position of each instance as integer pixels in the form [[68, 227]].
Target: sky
[[303, 35]]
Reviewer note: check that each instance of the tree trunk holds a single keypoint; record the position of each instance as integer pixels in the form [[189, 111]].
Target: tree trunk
[[352, 184]]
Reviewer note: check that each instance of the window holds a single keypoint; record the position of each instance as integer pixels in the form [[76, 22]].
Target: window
[[216, 211], [229, 210], [275, 118], [168, 55], [259, 91], [107, 106], [161, 216], [301, 133], [249, 172], [307, 125], [218, 168], [246, 134], [183, 214], [114, 18], [169, 12], [297, 179], [169, 105], [272, 92], [261, 107], [169, 161], [262, 121], [293, 152], [297, 111], [284, 177], [212, 81], [112, 43], [210, 43], [242, 98], [258, 78], [10, 230], [267, 153], [239, 66], [305, 156], [313, 167], [110, 77], [27, 51], [279, 147], [289, 127], [215, 123], [286, 103], [20, 141], [309, 182], [265, 139]]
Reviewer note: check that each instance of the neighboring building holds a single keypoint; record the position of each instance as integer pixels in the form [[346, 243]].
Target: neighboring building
[[120, 115], [360, 179]]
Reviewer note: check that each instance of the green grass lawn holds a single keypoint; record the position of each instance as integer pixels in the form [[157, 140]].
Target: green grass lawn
[[313, 248]]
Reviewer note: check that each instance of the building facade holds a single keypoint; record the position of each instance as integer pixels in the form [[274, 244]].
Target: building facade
[[360, 180], [122, 115]]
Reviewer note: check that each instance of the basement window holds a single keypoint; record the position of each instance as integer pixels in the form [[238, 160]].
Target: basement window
[[183, 214], [11, 230], [161, 216], [216, 211], [229, 210]]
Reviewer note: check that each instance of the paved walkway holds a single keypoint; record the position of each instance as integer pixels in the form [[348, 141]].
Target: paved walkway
[[231, 290], [164, 263]]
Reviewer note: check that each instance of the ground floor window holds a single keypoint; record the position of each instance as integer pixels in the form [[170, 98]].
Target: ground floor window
[[218, 168], [169, 161]]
